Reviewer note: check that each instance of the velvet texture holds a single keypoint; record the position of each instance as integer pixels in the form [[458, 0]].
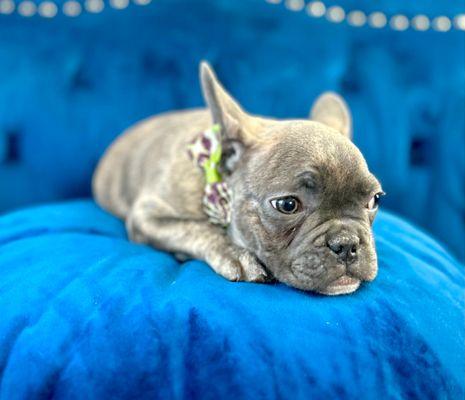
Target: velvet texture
[[70, 86], [87, 314]]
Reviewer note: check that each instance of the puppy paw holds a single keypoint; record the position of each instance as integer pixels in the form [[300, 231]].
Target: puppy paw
[[252, 270], [133, 232], [135, 235], [239, 265], [231, 270]]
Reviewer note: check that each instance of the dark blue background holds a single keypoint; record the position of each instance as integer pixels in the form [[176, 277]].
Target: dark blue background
[[69, 86]]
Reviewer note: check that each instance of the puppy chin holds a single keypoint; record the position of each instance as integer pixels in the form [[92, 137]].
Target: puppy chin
[[331, 281], [344, 285], [305, 280]]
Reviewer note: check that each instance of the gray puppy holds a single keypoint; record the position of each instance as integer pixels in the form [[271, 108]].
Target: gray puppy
[[302, 200]]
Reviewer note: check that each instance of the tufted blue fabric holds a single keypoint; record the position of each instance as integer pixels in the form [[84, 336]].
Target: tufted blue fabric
[[69, 86], [87, 314]]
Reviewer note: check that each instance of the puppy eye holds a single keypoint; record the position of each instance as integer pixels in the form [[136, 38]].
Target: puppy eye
[[286, 205], [373, 204]]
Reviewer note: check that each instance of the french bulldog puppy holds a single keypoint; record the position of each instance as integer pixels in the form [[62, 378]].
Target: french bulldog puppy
[[302, 198]]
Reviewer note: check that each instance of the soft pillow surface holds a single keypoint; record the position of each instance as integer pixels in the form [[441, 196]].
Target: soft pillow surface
[[86, 314]]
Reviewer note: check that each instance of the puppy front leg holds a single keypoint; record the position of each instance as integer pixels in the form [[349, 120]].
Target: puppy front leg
[[196, 238]]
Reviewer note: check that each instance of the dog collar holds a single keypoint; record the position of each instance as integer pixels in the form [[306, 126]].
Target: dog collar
[[205, 151]]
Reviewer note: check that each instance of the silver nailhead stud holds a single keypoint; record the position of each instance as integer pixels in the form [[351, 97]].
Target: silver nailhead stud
[[27, 8], [6, 7], [356, 18], [420, 22], [399, 22], [94, 6], [377, 20], [72, 8], [441, 23], [47, 9], [459, 22], [335, 14]]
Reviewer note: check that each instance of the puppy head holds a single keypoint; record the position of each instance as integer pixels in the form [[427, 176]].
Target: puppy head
[[303, 197]]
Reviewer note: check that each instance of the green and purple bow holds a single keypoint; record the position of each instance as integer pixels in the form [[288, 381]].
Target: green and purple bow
[[205, 150]]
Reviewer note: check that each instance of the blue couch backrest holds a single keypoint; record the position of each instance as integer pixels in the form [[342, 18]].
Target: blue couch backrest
[[70, 85]]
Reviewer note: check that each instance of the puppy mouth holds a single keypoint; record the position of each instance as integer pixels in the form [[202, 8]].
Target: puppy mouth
[[344, 285]]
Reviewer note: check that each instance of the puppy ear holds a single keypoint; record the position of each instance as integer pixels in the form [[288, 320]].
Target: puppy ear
[[235, 123], [331, 109]]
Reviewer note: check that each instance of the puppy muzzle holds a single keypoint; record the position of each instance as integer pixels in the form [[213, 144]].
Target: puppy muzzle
[[339, 263]]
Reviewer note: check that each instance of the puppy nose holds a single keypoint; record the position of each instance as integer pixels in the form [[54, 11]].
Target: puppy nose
[[345, 248]]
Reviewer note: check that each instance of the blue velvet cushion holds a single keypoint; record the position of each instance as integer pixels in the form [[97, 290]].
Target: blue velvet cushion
[[87, 314]]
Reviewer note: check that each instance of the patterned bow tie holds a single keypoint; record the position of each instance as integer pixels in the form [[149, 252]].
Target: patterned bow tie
[[205, 151]]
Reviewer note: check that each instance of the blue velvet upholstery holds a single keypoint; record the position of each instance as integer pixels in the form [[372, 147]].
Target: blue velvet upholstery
[[87, 314], [69, 86]]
